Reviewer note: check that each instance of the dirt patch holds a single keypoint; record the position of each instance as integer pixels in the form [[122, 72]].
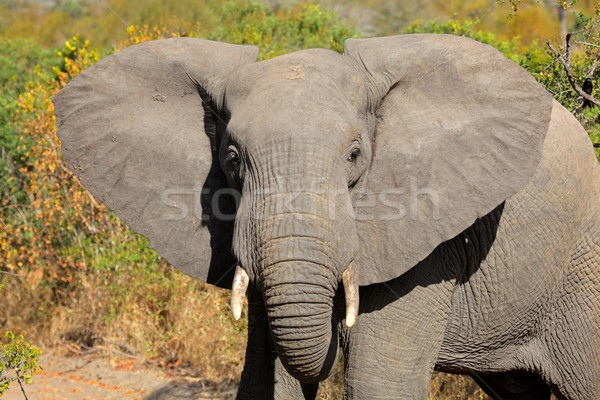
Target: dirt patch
[[92, 377]]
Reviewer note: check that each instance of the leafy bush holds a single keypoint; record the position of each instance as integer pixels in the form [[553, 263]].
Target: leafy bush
[[18, 361], [22, 61], [246, 22], [584, 56], [284, 31]]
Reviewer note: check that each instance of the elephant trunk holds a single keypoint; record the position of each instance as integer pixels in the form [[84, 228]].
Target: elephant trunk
[[298, 244], [299, 311]]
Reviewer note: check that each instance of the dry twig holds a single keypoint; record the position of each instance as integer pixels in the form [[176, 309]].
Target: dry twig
[[84, 350], [132, 352], [595, 64], [22, 389], [10, 273], [121, 353]]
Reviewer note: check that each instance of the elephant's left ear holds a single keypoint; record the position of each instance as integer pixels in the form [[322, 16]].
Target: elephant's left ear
[[460, 128]]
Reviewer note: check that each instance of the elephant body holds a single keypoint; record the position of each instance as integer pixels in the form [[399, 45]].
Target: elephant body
[[559, 278], [417, 203], [499, 298], [497, 302]]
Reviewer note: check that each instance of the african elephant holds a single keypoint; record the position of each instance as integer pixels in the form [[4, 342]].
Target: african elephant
[[418, 202]]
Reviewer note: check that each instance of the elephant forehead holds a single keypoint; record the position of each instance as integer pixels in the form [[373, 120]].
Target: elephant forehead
[[308, 93], [294, 123], [308, 75]]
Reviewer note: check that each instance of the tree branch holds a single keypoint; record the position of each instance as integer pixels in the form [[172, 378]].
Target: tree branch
[[11, 273], [587, 28], [22, 389], [570, 75], [587, 44], [567, 58], [594, 65]]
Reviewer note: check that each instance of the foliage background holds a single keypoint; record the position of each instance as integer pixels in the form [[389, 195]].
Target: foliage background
[[72, 272]]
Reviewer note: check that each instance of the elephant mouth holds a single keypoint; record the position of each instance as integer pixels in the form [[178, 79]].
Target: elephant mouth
[[241, 281]]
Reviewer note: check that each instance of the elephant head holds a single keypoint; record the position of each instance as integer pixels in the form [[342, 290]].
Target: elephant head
[[305, 170]]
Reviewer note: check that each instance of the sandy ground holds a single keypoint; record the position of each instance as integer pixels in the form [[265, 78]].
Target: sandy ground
[[92, 377]]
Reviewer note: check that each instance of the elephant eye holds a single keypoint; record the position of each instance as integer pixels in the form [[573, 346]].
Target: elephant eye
[[231, 163], [233, 157], [356, 163], [354, 154]]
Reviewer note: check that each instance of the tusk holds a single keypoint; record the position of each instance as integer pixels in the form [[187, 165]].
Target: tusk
[[238, 291], [351, 291]]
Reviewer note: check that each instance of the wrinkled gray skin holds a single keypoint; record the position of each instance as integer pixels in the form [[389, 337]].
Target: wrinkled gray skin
[[465, 198]]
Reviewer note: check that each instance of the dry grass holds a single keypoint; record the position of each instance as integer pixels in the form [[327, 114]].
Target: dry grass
[[442, 387], [454, 387], [175, 318], [166, 315]]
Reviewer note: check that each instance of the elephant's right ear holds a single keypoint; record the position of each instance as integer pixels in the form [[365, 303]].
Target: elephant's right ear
[[138, 130]]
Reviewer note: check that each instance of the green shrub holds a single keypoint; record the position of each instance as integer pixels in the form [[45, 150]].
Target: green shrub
[[18, 361], [303, 26], [22, 61]]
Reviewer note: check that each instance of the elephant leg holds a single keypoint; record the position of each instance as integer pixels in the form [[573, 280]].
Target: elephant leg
[[513, 385], [258, 376], [573, 368], [288, 387], [392, 349], [264, 377], [572, 329]]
